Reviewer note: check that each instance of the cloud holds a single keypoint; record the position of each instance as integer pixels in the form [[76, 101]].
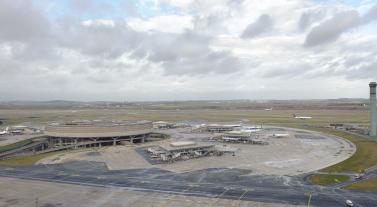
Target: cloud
[[308, 18], [21, 21], [360, 67], [207, 63], [291, 70], [211, 24], [186, 53], [162, 23], [130, 8], [101, 38], [332, 28], [26, 31], [83, 6], [262, 25], [371, 14], [185, 50]]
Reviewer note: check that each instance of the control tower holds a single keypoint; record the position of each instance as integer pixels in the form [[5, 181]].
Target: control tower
[[372, 105]]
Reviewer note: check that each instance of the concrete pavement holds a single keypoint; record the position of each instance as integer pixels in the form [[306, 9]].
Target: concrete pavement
[[233, 184]]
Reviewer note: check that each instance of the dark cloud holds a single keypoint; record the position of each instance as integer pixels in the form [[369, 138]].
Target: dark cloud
[[26, 30], [308, 18], [185, 53], [20, 21], [98, 38], [332, 28], [263, 24], [90, 6]]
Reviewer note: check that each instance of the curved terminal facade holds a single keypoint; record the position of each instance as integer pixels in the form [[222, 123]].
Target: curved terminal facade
[[68, 136], [97, 135]]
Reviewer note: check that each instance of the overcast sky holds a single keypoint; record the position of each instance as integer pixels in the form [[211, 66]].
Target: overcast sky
[[129, 50]]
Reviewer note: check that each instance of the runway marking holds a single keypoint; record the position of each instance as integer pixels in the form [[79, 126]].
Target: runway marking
[[219, 196], [243, 194], [190, 187], [246, 190], [180, 195]]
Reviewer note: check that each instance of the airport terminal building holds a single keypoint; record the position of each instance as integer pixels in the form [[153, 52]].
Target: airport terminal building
[[63, 136]]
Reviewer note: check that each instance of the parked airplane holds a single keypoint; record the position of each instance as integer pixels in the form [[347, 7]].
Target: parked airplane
[[301, 117], [270, 109], [280, 135]]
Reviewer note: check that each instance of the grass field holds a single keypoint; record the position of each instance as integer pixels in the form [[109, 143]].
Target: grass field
[[325, 180], [284, 116], [364, 157], [366, 185]]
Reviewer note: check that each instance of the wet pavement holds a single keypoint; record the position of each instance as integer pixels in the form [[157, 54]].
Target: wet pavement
[[224, 183]]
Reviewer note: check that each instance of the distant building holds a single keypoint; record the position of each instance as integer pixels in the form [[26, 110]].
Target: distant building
[[217, 128], [163, 125], [243, 136], [182, 150]]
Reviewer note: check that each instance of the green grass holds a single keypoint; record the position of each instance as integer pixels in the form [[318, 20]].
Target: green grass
[[26, 160], [227, 113], [364, 157], [14, 145], [325, 180], [365, 185]]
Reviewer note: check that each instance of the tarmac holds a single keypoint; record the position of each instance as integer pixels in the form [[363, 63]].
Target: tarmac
[[301, 152], [26, 193], [119, 176], [231, 184]]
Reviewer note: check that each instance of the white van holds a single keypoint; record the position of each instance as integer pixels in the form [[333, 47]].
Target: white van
[[349, 203]]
